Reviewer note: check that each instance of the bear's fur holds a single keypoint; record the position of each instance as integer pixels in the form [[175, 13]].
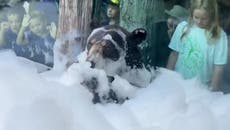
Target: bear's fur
[[113, 49], [114, 43]]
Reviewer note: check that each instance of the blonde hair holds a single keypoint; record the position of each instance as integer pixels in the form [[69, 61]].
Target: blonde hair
[[211, 7]]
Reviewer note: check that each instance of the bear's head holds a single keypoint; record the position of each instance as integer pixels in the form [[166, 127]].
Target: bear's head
[[113, 46]]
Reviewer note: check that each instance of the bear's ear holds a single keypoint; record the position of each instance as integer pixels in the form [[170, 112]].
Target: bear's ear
[[137, 36]]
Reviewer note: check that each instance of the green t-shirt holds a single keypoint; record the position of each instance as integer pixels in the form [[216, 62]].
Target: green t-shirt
[[197, 56]]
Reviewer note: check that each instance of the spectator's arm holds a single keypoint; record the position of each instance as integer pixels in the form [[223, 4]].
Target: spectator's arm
[[172, 60], [3, 27], [217, 73], [25, 24]]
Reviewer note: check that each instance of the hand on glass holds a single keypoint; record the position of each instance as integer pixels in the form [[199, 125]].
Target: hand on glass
[[26, 6], [4, 26], [53, 30]]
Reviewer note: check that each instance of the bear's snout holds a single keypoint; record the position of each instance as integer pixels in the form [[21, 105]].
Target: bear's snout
[[94, 52]]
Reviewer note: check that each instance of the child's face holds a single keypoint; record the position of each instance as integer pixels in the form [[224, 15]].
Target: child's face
[[112, 11], [37, 26], [201, 18], [172, 22], [14, 22]]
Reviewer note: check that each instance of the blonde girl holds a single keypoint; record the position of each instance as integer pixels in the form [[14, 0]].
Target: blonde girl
[[200, 45]]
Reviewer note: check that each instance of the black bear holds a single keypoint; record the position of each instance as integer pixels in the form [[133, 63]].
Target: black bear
[[113, 49]]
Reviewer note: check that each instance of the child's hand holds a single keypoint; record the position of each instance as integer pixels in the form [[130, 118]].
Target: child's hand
[[53, 30], [26, 6], [4, 26], [26, 20]]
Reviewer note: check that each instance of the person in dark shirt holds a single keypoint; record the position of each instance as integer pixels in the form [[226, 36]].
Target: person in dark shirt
[[112, 13], [9, 31], [40, 37], [164, 31]]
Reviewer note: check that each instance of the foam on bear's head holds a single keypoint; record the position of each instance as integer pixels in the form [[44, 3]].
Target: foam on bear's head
[[113, 44], [104, 46]]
